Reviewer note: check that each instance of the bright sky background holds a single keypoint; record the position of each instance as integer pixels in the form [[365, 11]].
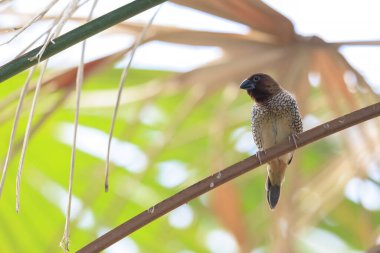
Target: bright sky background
[[340, 20], [333, 21]]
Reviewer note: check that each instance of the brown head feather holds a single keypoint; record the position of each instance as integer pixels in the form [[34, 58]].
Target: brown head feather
[[264, 87]]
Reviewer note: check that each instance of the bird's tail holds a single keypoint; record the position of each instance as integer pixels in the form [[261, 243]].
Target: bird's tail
[[273, 193]]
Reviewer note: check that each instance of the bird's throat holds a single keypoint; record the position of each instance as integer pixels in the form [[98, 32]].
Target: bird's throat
[[260, 96]]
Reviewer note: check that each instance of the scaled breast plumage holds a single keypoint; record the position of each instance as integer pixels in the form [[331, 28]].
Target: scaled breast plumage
[[280, 110]]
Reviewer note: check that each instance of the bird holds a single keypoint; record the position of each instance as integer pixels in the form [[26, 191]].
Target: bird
[[275, 118]]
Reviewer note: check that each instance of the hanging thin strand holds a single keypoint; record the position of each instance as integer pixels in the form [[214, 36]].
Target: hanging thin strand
[[120, 90], [69, 10], [27, 133], [14, 128], [44, 117], [79, 81]]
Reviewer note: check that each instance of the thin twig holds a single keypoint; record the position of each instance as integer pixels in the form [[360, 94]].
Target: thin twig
[[27, 133], [120, 90], [69, 10], [228, 174], [79, 81], [14, 128], [44, 117]]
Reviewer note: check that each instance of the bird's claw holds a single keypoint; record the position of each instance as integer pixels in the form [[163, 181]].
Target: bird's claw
[[293, 137], [258, 154]]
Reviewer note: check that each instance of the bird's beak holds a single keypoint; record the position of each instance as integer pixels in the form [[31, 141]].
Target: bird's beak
[[247, 85]]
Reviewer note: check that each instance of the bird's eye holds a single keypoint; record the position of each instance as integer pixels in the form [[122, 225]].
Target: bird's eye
[[256, 78]]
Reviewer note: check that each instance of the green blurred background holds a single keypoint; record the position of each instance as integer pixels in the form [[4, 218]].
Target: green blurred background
[[176, 127]]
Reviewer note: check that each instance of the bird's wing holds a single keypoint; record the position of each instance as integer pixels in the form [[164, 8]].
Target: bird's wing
[[296, 120], [256, 127]]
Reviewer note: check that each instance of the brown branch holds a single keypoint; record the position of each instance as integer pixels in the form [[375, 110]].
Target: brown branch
[[228, 174]]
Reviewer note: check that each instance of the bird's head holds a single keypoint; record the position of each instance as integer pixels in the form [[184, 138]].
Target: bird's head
[[260, 87]]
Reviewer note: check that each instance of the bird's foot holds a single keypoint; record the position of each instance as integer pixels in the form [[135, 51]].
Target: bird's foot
[[258, 154], [293, 137]]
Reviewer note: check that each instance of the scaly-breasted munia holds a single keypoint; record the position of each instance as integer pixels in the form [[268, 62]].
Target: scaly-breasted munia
[[275, 118]]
